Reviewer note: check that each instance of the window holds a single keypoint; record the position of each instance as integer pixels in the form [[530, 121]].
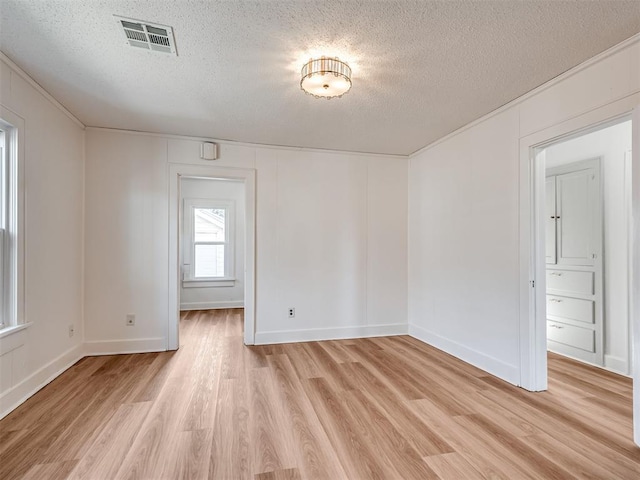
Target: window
[[209, 240], [11, 224]]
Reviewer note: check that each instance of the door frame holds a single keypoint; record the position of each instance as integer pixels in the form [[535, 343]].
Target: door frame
[[532, 324], [635, 269], [244, 175]]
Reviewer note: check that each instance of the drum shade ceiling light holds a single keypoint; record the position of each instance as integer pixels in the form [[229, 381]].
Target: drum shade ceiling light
[[325, 77]]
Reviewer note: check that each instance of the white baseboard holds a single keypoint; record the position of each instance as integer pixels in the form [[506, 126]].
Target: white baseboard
[[339, 333], [508, 373], [211, 305], [117, 347], [18, 394], [616, 364]]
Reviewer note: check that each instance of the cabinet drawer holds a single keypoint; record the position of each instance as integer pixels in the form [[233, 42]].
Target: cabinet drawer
[[570, 281], [578, 337], [571, 308]]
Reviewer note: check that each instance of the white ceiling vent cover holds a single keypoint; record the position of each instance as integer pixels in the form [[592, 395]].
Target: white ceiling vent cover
[[150, 36]]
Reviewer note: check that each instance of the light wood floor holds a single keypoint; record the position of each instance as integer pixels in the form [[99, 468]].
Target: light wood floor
[[385, 408]]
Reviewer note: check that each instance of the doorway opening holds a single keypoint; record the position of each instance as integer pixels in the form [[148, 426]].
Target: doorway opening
[[587, 245], [212, 230], [212, 246]]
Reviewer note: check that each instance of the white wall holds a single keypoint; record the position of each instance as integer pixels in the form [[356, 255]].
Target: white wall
[[330, 242], [464, 215], [54, 165], [200, 298], [126, 242], [463, 237], [611, 144]]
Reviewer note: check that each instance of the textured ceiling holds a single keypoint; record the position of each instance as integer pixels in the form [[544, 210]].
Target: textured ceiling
[[420, 69]]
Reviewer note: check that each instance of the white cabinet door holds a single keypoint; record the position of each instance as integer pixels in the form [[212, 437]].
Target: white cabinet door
[[577, 210], [550, 222]]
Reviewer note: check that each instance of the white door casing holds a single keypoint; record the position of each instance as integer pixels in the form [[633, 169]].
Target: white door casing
[[532, 312], [635, 273]]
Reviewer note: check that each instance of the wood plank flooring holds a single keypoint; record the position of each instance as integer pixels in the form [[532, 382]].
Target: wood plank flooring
[[382, 408]]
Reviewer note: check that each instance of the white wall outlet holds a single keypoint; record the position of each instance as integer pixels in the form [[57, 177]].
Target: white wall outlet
[[72, 330], [292, 312], [131, 319]]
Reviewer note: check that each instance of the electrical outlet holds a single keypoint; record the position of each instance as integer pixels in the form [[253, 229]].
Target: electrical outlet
[[72, 330], [292, 312], [131, 319]]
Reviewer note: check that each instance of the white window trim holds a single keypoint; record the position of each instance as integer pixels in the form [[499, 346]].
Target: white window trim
[[188, 278], [208, 282], [5, 319], [12, 329], [15, 314]]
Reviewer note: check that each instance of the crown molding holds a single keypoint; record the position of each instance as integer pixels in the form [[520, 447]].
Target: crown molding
[[554, 81], [27, 78], [253, 145]]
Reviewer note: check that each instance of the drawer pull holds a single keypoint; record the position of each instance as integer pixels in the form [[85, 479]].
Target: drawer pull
[[555, 300], [556, 274], [555, 326]]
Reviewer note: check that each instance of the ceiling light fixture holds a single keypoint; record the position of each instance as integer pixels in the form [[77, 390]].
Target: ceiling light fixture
[[326, 77]]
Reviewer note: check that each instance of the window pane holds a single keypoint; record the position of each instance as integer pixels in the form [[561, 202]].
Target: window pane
[[209, 261], [209, 224]]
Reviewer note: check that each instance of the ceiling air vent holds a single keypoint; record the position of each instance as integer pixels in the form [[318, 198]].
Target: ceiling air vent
[[150, 36]]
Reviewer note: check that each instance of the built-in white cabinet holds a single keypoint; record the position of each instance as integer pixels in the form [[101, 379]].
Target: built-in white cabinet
[[574, 261]]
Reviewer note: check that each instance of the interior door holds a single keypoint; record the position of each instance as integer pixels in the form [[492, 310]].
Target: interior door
[[550, 221], [576, 210]]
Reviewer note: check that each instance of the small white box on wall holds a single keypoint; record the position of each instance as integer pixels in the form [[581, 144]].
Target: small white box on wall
[[208, 151]]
